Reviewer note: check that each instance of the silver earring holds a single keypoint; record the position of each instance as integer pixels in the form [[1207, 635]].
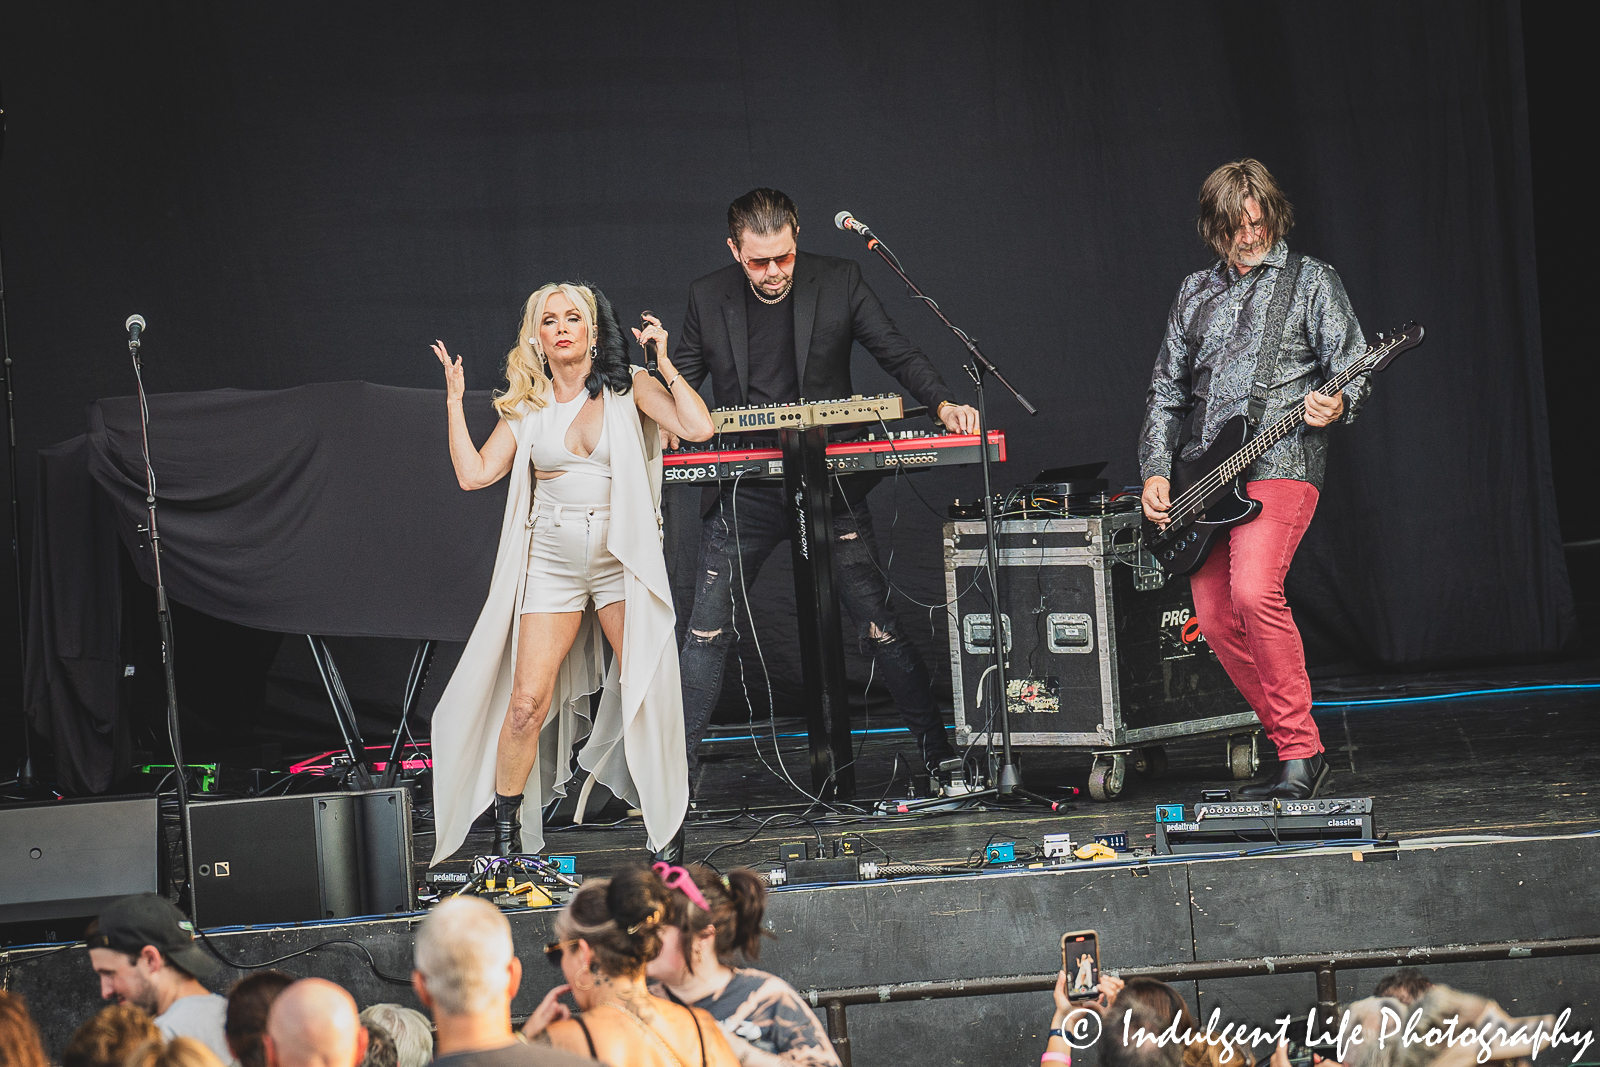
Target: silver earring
[[594, 351]]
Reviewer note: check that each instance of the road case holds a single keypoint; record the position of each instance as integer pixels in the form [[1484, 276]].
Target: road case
[[1103, 651]]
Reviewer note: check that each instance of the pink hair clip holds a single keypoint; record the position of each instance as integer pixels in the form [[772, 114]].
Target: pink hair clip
[[681, 880]]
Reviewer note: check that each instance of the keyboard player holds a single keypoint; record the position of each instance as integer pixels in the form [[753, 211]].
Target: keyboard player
[[775, 325]]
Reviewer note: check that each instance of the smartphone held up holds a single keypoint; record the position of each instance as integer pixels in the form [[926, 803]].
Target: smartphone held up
[[1080, 958]]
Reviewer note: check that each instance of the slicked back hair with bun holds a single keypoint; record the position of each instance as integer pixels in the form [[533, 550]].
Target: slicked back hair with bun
[[620, 918], [738, 902]]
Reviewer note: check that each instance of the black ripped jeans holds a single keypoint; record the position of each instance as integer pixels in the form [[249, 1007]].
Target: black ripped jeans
[[763, 524]]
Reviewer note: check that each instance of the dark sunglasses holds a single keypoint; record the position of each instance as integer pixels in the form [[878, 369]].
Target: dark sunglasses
[[765, 261], [554, 949]]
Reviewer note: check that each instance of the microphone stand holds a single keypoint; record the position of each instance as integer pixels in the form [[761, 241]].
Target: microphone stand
[[164, 614], [1009, 779]]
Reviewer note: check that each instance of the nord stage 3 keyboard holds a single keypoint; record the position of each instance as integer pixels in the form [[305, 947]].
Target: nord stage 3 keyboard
[[858, 408], [908, 450], [1229, 825]]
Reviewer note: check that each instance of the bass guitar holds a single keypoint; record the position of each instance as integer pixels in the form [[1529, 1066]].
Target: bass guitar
[[1207, 494]]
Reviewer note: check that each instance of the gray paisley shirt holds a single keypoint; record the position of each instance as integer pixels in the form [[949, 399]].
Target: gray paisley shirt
[[1208, 360]]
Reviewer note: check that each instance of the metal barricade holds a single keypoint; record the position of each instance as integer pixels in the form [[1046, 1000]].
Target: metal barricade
[[1325, 966]]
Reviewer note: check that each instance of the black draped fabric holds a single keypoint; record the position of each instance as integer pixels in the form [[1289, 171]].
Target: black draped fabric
[[327, 509], [72, 677]]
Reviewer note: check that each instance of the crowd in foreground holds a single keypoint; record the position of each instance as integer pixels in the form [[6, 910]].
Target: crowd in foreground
[[655, 960], [652, 959]]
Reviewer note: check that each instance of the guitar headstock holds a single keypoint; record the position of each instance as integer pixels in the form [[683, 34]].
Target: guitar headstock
[[1391, 344]]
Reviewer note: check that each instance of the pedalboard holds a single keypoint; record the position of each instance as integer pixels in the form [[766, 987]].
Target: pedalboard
[[1225, 826]]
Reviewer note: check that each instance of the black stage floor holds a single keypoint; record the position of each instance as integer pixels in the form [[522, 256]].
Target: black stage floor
[[1513, 763]]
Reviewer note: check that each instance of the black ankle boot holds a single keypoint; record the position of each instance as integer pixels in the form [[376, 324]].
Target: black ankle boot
[[1260, 790], [671, 852], [1301, 779], [507, 825], [1298, 779]]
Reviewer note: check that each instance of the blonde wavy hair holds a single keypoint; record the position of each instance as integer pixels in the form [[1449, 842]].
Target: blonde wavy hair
[[527, 383]]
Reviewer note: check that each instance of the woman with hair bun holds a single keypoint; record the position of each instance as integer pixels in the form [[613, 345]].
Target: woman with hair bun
[[580, 551], [716, 919], [608, 936]]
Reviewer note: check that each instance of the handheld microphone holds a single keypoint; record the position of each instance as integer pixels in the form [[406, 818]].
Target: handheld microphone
[[846, 221], [134, 326], [650, 357]]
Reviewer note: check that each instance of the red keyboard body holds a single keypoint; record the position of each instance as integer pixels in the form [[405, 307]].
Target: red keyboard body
[[908, 452]]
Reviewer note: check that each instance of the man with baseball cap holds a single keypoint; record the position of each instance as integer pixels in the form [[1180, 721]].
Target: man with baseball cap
[[143, 949]]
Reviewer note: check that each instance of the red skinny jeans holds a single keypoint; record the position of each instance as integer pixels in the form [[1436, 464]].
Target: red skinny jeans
[[1238, 598]]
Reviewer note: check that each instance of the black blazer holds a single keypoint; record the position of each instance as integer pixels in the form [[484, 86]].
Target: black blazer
[[833, 307]]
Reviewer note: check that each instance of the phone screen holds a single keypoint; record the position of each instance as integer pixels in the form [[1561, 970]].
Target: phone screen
[[1080, 957]]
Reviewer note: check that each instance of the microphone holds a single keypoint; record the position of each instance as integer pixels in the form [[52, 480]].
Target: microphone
[[134, 326], [846, 221], [650, 357]]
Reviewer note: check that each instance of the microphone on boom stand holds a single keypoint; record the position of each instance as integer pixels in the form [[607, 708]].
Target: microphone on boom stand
[[1008, 780], [846, 221], [135, 327]]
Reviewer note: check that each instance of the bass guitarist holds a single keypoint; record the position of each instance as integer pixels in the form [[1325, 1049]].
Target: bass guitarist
[[1222, 358]]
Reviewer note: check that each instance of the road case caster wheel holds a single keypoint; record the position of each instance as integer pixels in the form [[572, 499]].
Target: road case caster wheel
[[1243, 758], [1150, 762], [1105, 778]]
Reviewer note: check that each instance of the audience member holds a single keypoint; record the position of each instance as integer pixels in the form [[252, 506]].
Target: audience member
[[413, 1037], [248, 1004], [179, 1052], [380, 1048], [1143, 1027], [715, 920], [1167, 1002], [1443, 1008], [107, 1038], [1405, 985], [143, 949], [313, 1024], [19, 1038], [607, 935], [467, 974]]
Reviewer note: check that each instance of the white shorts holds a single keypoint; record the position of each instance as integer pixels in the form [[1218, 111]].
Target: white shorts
[[568, 561]]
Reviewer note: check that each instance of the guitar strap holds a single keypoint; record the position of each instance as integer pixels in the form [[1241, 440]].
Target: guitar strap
[[1272, 338]]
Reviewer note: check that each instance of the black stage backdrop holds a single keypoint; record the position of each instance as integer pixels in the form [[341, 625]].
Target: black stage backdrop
[[297, 193]]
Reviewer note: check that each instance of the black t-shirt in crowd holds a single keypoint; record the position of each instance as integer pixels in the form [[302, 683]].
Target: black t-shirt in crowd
[[773, 377], [517, 1055]]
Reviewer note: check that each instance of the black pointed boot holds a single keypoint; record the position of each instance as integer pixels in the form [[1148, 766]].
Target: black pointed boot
[[507, 825], [1298, 779], [672, 852], [1301, 779]]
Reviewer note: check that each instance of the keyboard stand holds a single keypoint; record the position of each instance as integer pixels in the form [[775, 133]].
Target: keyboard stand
[[806, 483]]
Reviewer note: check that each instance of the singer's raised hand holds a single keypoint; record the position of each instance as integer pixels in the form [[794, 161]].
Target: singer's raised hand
[[653, 332], [455, 379]]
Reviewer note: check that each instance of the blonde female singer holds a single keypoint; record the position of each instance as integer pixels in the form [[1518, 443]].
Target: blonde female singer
[[579, 597]]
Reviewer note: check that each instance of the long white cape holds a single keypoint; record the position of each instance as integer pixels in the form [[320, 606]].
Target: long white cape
[[635, 743]]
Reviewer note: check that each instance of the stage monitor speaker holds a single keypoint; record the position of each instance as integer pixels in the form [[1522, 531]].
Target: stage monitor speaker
[[66, 859], [302, 858]]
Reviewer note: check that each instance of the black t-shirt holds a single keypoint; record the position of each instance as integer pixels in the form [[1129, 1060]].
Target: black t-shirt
[[517, 1055], [773, 376]]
